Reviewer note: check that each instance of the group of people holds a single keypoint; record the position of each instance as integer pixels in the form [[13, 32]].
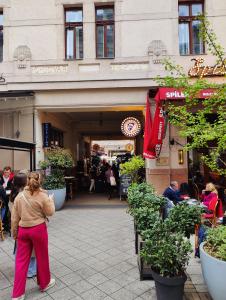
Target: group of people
[[209, 196], [105, 175], [29, 206]]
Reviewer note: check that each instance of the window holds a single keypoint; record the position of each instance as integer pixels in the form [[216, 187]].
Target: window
[[1, 36], [189, 27], [74, 33], [105, 32]]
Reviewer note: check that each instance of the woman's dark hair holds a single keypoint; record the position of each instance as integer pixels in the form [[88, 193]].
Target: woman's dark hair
[[19, 182], [34, 182]]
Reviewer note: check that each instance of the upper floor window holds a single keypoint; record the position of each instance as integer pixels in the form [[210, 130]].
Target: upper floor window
[[1, 36], [73, 33], [190, 41], [105, 32]]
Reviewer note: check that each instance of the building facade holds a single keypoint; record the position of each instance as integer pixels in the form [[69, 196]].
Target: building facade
[[83, 66]]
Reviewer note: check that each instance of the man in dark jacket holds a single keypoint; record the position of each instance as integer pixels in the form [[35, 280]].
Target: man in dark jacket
[[172, 192], [6, 180]]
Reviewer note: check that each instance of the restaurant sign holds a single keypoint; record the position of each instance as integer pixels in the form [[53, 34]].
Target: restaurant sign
[[200, 70], [130, 127]]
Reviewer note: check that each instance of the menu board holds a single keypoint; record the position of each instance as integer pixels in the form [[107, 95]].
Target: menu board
[[125, 181]]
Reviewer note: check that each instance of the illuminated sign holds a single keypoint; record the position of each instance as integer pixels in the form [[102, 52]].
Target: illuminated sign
[[199, 70], [131, 127]]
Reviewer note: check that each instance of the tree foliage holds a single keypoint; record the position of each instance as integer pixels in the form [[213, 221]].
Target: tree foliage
[[193, 118]]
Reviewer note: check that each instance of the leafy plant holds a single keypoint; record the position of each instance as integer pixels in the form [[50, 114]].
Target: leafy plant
[[145, 217], [184, 217], [216, 242], [166, 252], [58, 160], [143, 195], [54, 181], [132, 168], [136, 193]]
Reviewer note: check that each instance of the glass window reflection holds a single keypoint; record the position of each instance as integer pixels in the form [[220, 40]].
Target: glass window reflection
[[183, 10], [74, 16], [104, 14], [184, 38], [70, 44], [196, 9]]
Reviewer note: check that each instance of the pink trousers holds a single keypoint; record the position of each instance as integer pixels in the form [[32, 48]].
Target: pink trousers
[[29, 237]]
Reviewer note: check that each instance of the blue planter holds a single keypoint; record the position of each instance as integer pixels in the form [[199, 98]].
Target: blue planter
[[59, 197], [214, 271]]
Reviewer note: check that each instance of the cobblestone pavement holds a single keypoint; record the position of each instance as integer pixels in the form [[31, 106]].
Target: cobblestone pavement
[[91, 245]]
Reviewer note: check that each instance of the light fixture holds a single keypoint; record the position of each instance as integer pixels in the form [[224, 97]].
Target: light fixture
[[180, 156]]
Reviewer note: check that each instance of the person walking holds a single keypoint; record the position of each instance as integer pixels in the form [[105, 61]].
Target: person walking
[[6, 182], [30, 209], [19, 183], [93, 177]]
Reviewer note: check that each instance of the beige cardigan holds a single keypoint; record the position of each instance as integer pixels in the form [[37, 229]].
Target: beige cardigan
[[25, 215]]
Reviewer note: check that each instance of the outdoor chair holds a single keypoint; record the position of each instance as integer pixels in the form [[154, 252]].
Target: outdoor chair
[[1, 224], [209, 219]]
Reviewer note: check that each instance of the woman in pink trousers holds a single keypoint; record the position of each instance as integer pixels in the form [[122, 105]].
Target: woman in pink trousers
[[28, 223]]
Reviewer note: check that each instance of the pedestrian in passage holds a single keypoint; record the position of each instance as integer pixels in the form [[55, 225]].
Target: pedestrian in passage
[[30, 209]]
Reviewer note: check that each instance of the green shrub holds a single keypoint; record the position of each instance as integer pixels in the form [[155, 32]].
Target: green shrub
[[166, 252], [185, 217], [145, 217], [132, 168], [216, 242]]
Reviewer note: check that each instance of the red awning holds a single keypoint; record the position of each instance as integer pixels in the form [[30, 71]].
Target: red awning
[[154, 131]]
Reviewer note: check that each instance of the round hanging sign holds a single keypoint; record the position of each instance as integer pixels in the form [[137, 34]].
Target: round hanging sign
[[131, 127]]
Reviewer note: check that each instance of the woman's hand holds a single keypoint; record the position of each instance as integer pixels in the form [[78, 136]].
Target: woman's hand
[[51, 197]]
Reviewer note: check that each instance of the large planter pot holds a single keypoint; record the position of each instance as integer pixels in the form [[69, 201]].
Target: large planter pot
[[213, 271], [169, 288], [59, 197]]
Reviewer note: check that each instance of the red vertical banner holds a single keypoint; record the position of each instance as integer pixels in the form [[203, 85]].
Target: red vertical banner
[[147, 131], [153, 135]]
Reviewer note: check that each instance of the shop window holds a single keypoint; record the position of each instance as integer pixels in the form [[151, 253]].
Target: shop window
[[105, 32], [1, 36], [190, 41], [74, 33]]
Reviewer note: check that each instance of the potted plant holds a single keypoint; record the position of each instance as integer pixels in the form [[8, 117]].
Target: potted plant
[[168, 254], [57, 160], [213, 261]]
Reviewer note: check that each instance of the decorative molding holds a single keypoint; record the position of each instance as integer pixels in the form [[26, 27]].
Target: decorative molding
[[130, 66], [50, 69], [157, 50], [89, 67], [22, 55]]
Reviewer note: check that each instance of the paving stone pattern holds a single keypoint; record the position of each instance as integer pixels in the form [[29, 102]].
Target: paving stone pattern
[[92, 257]]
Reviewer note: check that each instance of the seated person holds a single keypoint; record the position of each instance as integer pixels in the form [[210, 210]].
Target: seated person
[[172, 192], [209, 194]]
